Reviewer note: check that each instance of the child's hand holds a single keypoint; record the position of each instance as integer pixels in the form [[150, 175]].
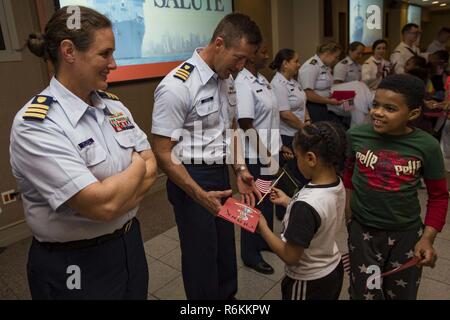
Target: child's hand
[[279, 198], [425, 251]]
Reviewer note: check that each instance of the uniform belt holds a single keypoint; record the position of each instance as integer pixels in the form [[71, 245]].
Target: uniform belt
[[204, 164], [82, 244]]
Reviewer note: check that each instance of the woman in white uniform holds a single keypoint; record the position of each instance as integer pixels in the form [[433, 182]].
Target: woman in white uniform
[[376, 68], [83, 166], [259, 117], [291, 97], [294, 116], [349, 69], [316, 79]]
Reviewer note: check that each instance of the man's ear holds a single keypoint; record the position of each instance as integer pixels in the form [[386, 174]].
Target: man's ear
[[67, 50], [219, 43], [415, 114]]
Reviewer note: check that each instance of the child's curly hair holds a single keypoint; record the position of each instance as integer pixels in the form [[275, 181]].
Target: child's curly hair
[[327, 140]]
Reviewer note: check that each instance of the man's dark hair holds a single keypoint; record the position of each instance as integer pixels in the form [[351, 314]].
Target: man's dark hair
[[410, 87], [408, 27], [236, 26]]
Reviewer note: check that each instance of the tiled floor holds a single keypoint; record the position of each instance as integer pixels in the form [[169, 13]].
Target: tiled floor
[[163, 255]]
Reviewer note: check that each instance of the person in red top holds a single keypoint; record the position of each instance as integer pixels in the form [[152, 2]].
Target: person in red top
[[386, 161]]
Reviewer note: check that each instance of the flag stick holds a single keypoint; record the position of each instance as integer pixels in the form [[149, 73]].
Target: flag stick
[[270, 190]]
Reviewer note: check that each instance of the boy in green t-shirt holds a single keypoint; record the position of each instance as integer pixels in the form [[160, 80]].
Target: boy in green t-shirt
[[386, 161]]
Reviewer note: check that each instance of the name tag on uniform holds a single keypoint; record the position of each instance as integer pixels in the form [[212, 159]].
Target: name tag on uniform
[[120, 122], [259, 91], [207, 100], [86, 144]]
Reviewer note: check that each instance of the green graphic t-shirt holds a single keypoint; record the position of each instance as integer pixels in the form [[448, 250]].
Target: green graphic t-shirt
[[387, 174]]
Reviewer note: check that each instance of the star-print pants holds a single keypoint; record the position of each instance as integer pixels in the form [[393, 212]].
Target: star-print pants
[[387, 250]]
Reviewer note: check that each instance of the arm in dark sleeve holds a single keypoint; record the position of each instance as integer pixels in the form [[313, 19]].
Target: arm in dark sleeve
[[304, 221]]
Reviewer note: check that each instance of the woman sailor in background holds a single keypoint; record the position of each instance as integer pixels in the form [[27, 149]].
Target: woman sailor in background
[[316, 79], [294, 116], [349, 69]]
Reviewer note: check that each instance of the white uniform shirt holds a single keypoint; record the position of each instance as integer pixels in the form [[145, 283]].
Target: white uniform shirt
[[347, 70], [436, 46], [362, 102], [256, 100], [315, 75], [370, 70], [196, 111], [322, 256], [76, 145], [290, 97], [401, 54]]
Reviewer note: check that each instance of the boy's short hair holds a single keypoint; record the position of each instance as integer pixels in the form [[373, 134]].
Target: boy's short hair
[[410, 87]]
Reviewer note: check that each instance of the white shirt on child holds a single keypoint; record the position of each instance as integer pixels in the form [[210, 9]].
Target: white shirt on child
[[312, 221]]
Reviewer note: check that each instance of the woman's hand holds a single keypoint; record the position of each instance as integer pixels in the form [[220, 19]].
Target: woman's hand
[[335, 102], [287, 153], [139, 162]]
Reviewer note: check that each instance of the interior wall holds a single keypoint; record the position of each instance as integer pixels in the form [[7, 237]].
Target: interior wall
[[282, 24], [308, 27], [261, 13], [20, 81], [398, 17], [432, 24], [338, 6]]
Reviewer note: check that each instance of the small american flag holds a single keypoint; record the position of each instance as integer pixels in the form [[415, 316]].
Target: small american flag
[[263, 185], [346, 262]]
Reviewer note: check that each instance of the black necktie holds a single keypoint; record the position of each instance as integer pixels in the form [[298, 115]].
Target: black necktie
[[412, 51]]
